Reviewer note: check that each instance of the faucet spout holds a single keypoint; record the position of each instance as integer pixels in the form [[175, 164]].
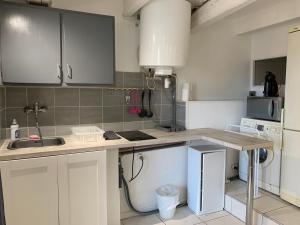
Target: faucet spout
[[36, 109]]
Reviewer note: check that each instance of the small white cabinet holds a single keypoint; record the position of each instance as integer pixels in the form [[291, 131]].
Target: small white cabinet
[[62, 190], [206, 178], [82, 189], [30, 191]]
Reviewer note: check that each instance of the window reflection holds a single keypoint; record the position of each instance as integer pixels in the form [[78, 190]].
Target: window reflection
[[18, 23]]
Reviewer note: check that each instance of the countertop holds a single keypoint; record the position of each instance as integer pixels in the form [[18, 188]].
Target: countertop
[[75, 144]]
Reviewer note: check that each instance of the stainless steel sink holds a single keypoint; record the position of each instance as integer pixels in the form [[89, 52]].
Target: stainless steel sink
[[26, 143]]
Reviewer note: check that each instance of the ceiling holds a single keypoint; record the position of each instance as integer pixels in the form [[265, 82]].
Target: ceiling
[[197, 3]]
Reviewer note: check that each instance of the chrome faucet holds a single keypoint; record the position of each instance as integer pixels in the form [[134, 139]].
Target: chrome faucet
[[36, 109]]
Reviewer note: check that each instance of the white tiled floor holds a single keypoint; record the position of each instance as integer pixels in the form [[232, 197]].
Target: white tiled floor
[[184, 216], [269, 210], [143, 220], [213, 216], [288, 215], [227, 220], [266, 204]]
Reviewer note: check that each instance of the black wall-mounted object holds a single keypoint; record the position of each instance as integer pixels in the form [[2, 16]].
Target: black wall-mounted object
[[271, 86]]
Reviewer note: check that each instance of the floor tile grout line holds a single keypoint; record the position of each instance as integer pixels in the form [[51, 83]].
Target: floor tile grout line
[[160, 219], [256, 210], [216, 217], [274, 220], [201, 223], [264, 213], [278, 199], [271, 218]]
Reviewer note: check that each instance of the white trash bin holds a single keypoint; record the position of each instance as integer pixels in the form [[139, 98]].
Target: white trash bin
[[167, 199]]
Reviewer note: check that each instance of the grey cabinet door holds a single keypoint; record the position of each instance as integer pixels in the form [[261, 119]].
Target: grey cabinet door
[[88, 48], [30, 44]]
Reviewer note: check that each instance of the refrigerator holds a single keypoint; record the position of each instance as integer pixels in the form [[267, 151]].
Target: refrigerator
[[290, 168]]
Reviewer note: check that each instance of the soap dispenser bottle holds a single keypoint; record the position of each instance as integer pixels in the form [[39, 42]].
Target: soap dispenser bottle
[[14, 130]]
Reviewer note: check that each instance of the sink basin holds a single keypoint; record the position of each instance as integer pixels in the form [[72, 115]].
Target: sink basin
[[26, 143]]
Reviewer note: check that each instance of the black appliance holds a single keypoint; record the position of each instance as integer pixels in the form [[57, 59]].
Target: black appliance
[[265, 108], [135, 135], [110, 135], [271, 86]]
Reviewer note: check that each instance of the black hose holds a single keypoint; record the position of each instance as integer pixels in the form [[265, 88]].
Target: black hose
[[132, 165], [140, 170], [127, 194], [128, 200]]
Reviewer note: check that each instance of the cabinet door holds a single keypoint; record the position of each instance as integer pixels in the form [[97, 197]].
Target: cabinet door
[[30, 44], [30, 191], [290, 167], [292, 90], [213, 181], [82, 189], [88, 48]]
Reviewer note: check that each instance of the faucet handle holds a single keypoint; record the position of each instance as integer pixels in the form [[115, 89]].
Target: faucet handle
[[28, 109], [43, 109]]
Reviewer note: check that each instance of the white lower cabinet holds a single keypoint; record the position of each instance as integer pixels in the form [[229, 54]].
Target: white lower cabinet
[[61, 190], [82, 189], [30, 191]]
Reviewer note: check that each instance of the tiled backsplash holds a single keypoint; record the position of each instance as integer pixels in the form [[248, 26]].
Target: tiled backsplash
[[101, 106]]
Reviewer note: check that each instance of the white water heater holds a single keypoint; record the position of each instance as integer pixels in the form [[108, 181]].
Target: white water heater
[[164, 35]]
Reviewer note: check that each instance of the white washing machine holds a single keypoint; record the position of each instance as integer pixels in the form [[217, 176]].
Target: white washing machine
[[269, 161]]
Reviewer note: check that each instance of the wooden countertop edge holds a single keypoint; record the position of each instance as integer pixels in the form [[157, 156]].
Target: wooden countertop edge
[[224, 138]]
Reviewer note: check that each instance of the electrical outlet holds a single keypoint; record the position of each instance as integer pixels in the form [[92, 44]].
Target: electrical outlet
[[235, 167], [140, 156]]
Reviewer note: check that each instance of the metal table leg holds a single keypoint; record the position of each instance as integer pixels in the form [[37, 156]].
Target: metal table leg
[[250, 193]]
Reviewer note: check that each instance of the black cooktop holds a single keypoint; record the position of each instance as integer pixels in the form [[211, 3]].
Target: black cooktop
[[135, 135]]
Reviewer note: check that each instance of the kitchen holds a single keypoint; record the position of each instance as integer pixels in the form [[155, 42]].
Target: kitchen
[[217, 77]]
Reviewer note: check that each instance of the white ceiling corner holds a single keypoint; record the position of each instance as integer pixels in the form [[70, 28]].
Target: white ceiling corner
[[197, 3]]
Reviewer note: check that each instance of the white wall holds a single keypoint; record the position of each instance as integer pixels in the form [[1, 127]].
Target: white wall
[[266, 13], [266, 22], [218, 69], [127, 36], [219, 115], [220, 61], [214, 114], [269, 43], [218, 64]]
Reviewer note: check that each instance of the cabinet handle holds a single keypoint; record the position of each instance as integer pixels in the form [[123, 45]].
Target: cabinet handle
[[69, 71], [273, 106], [59, 72]]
